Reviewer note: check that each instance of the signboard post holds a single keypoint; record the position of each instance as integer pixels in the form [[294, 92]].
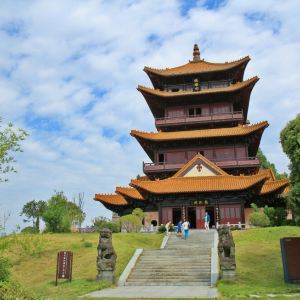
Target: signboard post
[[64, 265], [290, 249]]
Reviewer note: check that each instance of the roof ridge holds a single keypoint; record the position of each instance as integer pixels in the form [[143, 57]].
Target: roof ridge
[[123, 187], [229, 88], [284, 180], [199, 130], [200, 61], [104, 194]]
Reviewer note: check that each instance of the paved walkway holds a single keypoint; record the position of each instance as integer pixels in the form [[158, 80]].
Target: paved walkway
[[156, 292], [164, 291]]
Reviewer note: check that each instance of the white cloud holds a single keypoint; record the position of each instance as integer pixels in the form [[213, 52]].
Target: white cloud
[[68, 72]]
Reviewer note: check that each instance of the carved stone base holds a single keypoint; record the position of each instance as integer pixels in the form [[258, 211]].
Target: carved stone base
[[228, 274], [107, 276]]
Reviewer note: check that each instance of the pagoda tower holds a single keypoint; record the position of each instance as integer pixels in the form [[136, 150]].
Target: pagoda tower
[[203, 155]]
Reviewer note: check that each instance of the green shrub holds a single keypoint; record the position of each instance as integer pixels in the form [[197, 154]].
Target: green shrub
[[12, 290], [276, 215], [290, 223], [259, 219], [162, 228], [130, 223], [30, 229], [101, 222], [4, 269], [114, 227], [87, 244]]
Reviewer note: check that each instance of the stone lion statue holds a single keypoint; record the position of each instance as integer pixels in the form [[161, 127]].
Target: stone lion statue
[[106, 259], [226, 250]]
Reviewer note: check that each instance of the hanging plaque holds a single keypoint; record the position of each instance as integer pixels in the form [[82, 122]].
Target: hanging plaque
[[199, 202], [64, 265]]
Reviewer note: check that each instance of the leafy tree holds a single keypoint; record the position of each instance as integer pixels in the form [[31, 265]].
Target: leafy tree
[[3, 220], [34, 210], [259, 218], [76, 215], [10, 139], [102, 222], [265, 164], [130, 223], [133, 222], [61, 213], [139, 214], [276, 215], [290, 141], [79, 217]]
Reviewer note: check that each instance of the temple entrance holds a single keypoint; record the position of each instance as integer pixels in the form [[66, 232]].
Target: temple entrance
[[211, 211], [176, 215], [191, 213]]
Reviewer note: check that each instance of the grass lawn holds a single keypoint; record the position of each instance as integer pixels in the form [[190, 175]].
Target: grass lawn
[[34, 260], [259, 265]]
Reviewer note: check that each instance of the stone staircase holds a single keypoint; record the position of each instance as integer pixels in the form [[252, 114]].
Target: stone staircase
[[180, 263]]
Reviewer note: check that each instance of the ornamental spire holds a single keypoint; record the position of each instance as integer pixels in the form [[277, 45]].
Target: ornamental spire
[[196, 53]]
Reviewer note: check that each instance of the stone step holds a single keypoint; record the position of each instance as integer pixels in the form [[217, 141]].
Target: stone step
[[177, 262], [164, 283], [155, 280], [188, 283], [172, 271], [188, 249], [181, 272], [166, 275], [174, 251], [174, 258]]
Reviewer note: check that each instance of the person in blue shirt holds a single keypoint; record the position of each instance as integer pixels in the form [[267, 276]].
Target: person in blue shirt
[[206, 221], [179, 228]]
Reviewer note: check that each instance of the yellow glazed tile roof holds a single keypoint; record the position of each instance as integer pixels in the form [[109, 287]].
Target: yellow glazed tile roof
[[193, 67], [273, 186], [130, 192], [111, 199], [231, 88], [200, 134], [193, 161], [199, 184]]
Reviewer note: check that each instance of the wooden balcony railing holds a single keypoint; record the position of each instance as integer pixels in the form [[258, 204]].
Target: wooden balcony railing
[[203, 118], [202, 86], [223, 163]]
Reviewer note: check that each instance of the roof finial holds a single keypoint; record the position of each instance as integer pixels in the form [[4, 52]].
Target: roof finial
[[196, 53]]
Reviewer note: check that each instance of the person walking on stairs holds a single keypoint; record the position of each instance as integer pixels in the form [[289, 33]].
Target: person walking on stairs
[[206, 221], [179, 228], [168, 227], [186, 226]]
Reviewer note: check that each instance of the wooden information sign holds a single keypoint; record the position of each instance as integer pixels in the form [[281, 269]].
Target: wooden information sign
[[64, 265], [290, 252]]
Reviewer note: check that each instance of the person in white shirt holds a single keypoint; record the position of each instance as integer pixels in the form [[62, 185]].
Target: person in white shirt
[[186, 226], [168, 227]]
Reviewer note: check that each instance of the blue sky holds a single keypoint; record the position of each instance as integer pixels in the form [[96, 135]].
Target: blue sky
[[69, 72]]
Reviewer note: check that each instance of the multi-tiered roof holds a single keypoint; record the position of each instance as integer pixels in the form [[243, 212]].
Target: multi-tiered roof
[[200, 111]]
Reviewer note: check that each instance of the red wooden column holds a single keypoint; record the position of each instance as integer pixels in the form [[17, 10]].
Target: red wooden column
[[200, 214]]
